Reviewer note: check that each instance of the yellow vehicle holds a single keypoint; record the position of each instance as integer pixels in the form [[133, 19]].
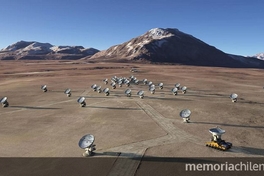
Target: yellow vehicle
[[216, 141]]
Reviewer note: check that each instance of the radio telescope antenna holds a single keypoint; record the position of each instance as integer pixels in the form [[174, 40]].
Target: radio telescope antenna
[[106, 91], [160, 85], [216, 140], [68, 92], [120, 82], [145, 81], [185, 114], [4, 102], [81, 101], [141, 94], [127, 82], [44, 88], [174, 91], [184, 89], [177, 85], [233, 97], [152, 88], [113, 84], [99, 89], [87, 143], [94, 86], [128, 92], [150, 83], [105, 81]]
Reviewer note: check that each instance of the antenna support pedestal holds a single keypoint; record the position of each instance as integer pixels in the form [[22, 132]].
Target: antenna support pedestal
[[89, 151]]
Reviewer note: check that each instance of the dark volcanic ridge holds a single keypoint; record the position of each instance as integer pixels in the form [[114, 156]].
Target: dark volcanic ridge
[[39, 51]]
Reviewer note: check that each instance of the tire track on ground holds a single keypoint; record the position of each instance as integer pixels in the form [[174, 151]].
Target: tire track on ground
[[135, 151]]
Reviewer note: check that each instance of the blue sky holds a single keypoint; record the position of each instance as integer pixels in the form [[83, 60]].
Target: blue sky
[[233, 26]]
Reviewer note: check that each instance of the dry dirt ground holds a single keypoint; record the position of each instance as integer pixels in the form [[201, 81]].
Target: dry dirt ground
[[50, 124]]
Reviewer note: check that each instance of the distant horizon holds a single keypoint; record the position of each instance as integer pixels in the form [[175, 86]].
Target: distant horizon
[[232, 26]]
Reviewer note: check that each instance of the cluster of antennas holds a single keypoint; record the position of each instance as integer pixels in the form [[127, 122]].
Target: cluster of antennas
[[185, 115], [233, 97], [87, 143], [178, 87], [4, 102], [96, 88]]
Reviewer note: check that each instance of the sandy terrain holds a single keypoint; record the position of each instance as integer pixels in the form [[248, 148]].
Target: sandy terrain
[[38, 124]]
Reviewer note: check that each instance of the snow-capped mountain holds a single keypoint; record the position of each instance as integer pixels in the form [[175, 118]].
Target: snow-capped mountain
[[37, 50], [172, 46], [259, 56]]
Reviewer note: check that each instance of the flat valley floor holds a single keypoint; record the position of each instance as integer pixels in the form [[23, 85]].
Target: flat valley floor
[[128, 131]]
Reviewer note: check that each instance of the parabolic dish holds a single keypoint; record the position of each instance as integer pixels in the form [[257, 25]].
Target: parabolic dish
[[175, 89], [145, 80], [67, 91], [43, 87], [3, 100], [128, 91], [160, 84], [150, 83], [152, 88], [81, 99], [177, 85], [141, 92], [184, 88], [233, 96], [113, 83], [185, 113], [94, 86], [217, 131], [106, 90], [86, 141]]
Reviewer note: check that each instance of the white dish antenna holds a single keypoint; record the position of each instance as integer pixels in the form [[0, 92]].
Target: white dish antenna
[[174, 90], [4, 99], [152, 89], [99, 89], [150, 83], [105, 81], [44, 88], [87, 143], [185, 114], [4, 102], [145, 81], [94, 87], [141, 94], [128, 92], [68, 92], [81, 101], [178, 85], [184, 89], [160, 85], [217, 131], [136, 81], [106, 91], [233, 97]]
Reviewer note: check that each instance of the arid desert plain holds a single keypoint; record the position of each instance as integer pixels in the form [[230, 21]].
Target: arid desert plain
[[50, 124]]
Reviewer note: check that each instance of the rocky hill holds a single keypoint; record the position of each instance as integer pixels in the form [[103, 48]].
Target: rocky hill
[[36, 50], [173, 46]]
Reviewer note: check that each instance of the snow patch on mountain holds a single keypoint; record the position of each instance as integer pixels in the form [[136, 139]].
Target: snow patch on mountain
[[259, 56]]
